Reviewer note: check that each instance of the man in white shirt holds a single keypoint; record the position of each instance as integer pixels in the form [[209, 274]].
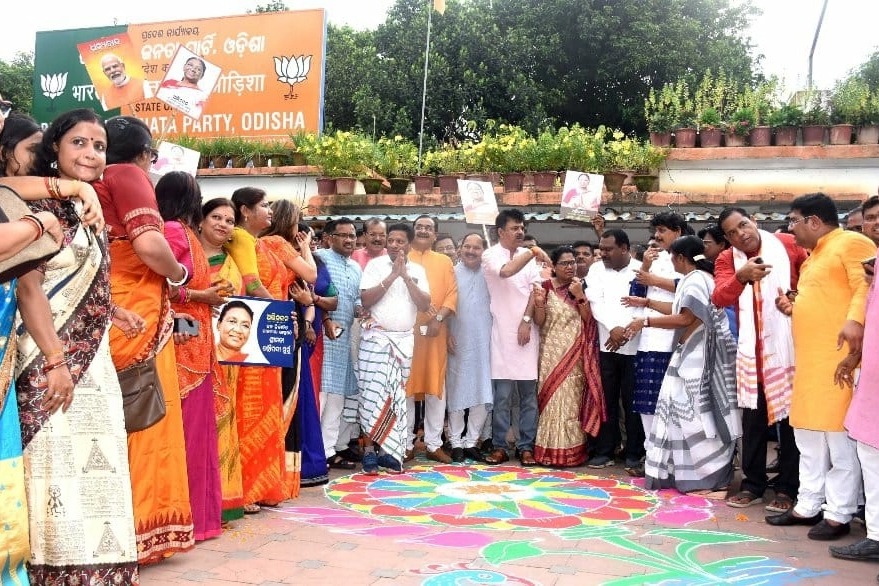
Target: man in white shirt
[[393, 290], [607, 283]]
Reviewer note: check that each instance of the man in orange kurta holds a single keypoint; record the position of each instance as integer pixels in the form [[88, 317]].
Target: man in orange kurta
[[431, 338], [828, 327]]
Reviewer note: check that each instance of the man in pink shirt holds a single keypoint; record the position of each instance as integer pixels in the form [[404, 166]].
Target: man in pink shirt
[[375, 232], [511, 273]]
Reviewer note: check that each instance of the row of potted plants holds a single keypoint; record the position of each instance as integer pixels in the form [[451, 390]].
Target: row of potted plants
[[718, 112], [503, 150]]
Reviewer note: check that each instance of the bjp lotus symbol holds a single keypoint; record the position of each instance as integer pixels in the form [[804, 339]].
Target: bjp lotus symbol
[[292, 70], [53, 85]]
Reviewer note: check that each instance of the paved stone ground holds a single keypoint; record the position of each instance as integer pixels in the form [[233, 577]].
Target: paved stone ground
[[459, 525]]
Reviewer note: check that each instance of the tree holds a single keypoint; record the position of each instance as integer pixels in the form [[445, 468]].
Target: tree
[[17, 81], [869, 71], [273, 6]]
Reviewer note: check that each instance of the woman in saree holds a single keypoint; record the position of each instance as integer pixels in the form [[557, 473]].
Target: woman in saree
[[201, 384], [215, 230], [267, 267], [142, 267], [303, 439], [570, 398], [691, 442], [70, 404], [19, 135]]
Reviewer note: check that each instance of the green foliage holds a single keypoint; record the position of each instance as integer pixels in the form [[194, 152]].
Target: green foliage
[[742, 121], [339, 154], [709, 118], [815, 112], [787, 115], [17, 79], [272, 6], [853, 102], [868, 72], [396, 157]]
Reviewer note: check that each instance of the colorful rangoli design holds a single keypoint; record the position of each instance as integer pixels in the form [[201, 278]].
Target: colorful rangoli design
[[496, 497]]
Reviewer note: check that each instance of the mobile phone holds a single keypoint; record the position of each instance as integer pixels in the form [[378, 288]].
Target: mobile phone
[[338, 331], [185, 326]]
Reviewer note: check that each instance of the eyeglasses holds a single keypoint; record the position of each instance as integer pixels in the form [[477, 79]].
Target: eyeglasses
[[154, 154], [791, 222], [5, 108], [566, 263]]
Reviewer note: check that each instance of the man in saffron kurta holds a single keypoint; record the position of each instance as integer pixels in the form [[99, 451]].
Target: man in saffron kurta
[[828, 318], [429, 359]]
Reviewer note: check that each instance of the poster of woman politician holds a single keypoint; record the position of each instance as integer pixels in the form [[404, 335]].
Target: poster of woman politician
[[188, 83], [255, 332]]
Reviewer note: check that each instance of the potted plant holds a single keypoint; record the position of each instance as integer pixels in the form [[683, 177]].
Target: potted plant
[[845, 109], [710, 128], [685, 134], [646, 160], [868, 128], [815, 119], [622, 159], [397, 160], [661, 113], [786, 121], [739, 127]]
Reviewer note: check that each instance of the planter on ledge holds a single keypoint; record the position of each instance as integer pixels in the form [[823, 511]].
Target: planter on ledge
[[423, 183], [841, 134], [545, 180], [399, 185], [734, 140], [710, 137], [761, 136], [813, 135], [346, 185], [513, 182], [326, 185], [685, 138]]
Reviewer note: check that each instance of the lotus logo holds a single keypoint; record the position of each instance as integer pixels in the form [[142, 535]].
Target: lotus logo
[[292, 71], [53, 84]]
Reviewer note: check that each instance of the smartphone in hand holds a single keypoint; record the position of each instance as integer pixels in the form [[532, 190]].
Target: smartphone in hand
[[185, 326]]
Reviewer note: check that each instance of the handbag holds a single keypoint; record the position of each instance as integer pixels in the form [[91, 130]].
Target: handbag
[[12, 209], [143, 400]]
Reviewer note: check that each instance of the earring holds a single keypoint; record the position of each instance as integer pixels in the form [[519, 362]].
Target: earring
[[54, 165]]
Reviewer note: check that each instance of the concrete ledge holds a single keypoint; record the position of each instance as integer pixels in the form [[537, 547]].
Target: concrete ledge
[[237, 171], [852, 151]]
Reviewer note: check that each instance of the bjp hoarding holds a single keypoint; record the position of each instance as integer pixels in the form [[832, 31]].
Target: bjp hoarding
[[269, 80]]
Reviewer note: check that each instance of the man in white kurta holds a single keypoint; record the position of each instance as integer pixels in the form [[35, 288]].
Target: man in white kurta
[[511, 273]]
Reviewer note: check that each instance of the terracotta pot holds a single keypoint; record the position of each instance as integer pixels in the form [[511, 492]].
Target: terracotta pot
[[786, 136], [513, 182], [371, 185], [545, 180], [660, 139], [868, 134], [423, 183], [326, 185], [685, 138], [238, 161], [477, 177], [646, 183], [613, 182], [496, 179], [219, 161], [448, 183], [710, 137], [813, 135], [841, 133], [761, 136], [346, 185], [297, 159], [734, 140], [399, 185]]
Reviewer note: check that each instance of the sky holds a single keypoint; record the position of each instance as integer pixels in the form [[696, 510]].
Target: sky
[[783, 34]]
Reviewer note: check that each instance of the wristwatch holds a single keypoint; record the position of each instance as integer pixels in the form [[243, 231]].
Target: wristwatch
[[526, 319], [439, 317]]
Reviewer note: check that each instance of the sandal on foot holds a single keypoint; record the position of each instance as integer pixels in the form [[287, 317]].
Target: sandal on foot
[[713, 495], [743, 500], [340, 463], [251, 509], [497, 457], [780, 504]]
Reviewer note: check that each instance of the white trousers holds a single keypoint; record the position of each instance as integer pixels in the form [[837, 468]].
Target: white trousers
[[434, 418], [869, 457], [830, 475], [475, 423], [336, 431]]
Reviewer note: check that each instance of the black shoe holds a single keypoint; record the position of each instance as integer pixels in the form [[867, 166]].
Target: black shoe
[[788, 518], [863, 550], [824, 531], [487, 446], [860, 515], [474, 454], [351, 454], [457, 455]]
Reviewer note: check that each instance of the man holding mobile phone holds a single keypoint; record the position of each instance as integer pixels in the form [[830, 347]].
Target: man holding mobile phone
[[338, 393]]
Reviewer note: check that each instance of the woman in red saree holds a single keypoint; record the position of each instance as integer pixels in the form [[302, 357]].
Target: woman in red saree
[[570, 399], [142, 264], [201, 383]]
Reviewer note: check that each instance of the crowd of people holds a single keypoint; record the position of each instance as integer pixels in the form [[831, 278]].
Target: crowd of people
[[672, 357]]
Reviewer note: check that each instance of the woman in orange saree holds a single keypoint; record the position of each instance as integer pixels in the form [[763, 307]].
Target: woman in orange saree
[[218, 220], [141, 262], [267, 474]]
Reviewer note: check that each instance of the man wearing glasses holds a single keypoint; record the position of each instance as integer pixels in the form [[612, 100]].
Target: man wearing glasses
[[747, 276], [828, 329], [338, 393]]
